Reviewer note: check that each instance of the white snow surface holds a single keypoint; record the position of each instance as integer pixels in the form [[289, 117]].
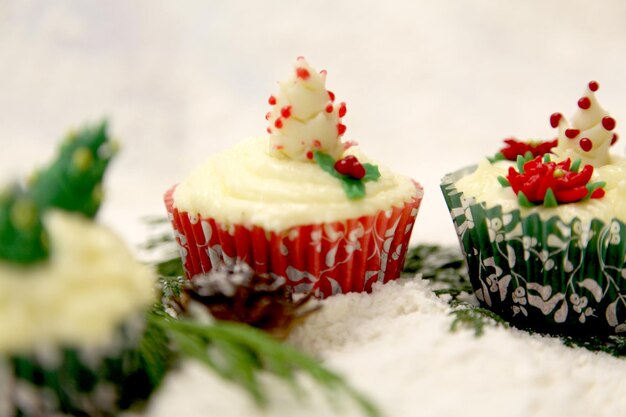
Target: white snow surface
[[395, 345]]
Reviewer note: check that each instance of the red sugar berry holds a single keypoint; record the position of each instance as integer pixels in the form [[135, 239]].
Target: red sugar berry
[[272, 100], [342, 109], [584, 103], [614, 139], [341, 128], [593, 85], [278, 123], [309, 155], [598, 193], [555, 118], [350, 166], [286, 112], [571, 133], [302, 73], [608, 123], [329, 108], [585, 144], [331, 95]]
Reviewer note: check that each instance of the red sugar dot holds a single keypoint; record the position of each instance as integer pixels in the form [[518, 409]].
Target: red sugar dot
[[269, 130], [268, 115], [341, 128], [331, 95], [593, 86], [571, 133], [342, 109], [585, 144], [584, 103], [272, 100], [608, 123], [614, 138], [278, 123], [555, 118], [309, 155], [302, 73], [285, 112], [329, 108]]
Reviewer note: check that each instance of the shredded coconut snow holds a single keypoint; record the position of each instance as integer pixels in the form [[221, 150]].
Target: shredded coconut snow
[[396, 346]]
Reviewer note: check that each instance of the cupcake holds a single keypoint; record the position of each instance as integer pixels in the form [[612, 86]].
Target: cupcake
[[541, 226], [73, 301], [297, 203]]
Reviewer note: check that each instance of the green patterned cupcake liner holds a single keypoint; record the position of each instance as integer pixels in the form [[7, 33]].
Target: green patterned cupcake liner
[[549, 275], [85, 382]]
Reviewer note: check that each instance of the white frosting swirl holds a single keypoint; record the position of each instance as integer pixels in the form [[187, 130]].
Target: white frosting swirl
[[89, 286], [483, 185], [245, 185], [589, 135], [304, 118]]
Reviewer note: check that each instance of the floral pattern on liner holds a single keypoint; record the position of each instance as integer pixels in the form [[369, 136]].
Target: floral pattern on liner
[[325, 259], [546, 274]]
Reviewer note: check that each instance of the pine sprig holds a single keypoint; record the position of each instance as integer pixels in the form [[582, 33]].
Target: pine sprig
[[238, 353]]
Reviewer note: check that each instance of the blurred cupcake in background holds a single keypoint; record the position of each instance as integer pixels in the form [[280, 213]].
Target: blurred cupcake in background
[[73, 301], [297, 203], [541, 226]]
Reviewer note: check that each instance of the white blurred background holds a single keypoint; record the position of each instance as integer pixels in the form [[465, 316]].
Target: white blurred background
[[431, 86]]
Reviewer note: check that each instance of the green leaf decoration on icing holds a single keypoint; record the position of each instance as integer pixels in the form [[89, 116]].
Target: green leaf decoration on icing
[[354, 188], [523, 200], [497, 157], [528, 155], [23, 239], [575, 165], [371, 172], [546, 158], [503, 181], [549, 200], [73, 181], [327, 163], [591, 187], [520, 164]]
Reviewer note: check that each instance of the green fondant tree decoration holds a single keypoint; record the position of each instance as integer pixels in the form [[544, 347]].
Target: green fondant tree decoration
[[22, 236], [72, 182]]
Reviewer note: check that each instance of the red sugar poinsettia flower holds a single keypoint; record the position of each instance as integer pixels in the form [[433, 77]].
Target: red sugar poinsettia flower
[[541, 181], [515, 148]]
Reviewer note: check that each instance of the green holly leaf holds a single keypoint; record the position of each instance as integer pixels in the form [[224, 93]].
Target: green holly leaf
[[575, 165], [371, 172], [327, 163], [355, 189], [497, 157]]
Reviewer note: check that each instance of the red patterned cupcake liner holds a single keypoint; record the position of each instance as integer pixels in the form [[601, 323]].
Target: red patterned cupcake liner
[[327, 258]]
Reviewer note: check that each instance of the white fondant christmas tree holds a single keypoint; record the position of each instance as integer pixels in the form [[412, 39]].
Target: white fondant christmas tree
[[589, 134], [305, 117]]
